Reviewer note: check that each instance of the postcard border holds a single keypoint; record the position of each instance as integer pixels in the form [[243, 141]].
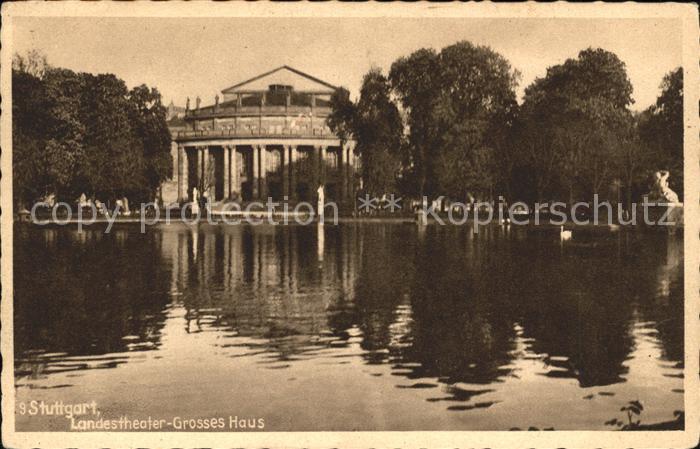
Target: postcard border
[[603, 439]]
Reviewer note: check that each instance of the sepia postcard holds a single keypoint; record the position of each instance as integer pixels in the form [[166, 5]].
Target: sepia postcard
[[334, 225]]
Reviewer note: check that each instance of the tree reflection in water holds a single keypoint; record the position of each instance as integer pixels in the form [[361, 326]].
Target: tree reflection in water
[[84, 295], [441, 303]]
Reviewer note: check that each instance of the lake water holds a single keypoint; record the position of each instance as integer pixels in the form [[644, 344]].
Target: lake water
[[351, 327]]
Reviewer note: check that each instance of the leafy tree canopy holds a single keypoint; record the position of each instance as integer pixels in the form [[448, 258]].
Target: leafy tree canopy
[[79, 133]]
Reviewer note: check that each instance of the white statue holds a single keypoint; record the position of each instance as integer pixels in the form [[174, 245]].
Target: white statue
[[321, 201], [127, 210], [83, 201], [50, 199], [661, 192], [195, 201], [100, 206]]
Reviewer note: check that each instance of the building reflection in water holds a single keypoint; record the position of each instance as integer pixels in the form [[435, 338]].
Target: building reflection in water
[[320, 242], [435, 304], [447, 304], [256, 282]]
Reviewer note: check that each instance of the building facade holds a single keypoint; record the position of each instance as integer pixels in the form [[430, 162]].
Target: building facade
[[265, 137]]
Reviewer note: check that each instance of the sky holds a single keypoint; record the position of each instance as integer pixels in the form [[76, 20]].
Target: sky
[[190, 57]]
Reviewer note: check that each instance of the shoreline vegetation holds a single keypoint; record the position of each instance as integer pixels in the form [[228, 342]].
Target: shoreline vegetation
[[449, 123], [422, 130]]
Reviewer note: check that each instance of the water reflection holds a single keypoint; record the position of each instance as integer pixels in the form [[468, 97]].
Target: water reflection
[[86, 294], [477, 321]]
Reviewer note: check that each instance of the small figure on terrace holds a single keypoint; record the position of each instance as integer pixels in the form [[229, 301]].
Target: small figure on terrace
[[83, 201], [100, 206], [127, 210], [195, 201], [320, 202], [205, 200]]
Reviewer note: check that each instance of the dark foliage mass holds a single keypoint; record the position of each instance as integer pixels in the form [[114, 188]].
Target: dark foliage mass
[[448, 123], [439, 123], [77, 133]]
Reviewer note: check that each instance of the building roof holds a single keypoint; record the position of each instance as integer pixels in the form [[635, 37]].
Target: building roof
[[283, 75]]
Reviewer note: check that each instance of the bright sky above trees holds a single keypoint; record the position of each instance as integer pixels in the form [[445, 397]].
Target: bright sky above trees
[[190, 57]]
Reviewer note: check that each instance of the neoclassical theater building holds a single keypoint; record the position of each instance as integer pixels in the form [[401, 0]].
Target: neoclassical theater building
[[265, 137]]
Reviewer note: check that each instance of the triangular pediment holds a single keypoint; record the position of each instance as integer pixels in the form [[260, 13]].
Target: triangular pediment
[[284, 75]]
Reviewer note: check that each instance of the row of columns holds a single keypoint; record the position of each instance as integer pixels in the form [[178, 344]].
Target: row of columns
[[347, 162]]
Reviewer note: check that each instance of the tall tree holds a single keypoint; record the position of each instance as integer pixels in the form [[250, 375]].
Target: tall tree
[[33, 63], [475, 89], [343, 114], [634, 159], [30, 116], [413, 79], [148, 118], [378, 129], [661, 128], [63, 137], [577, 109], [460, 107], [114, 163], [79, 133], [375, 123]]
